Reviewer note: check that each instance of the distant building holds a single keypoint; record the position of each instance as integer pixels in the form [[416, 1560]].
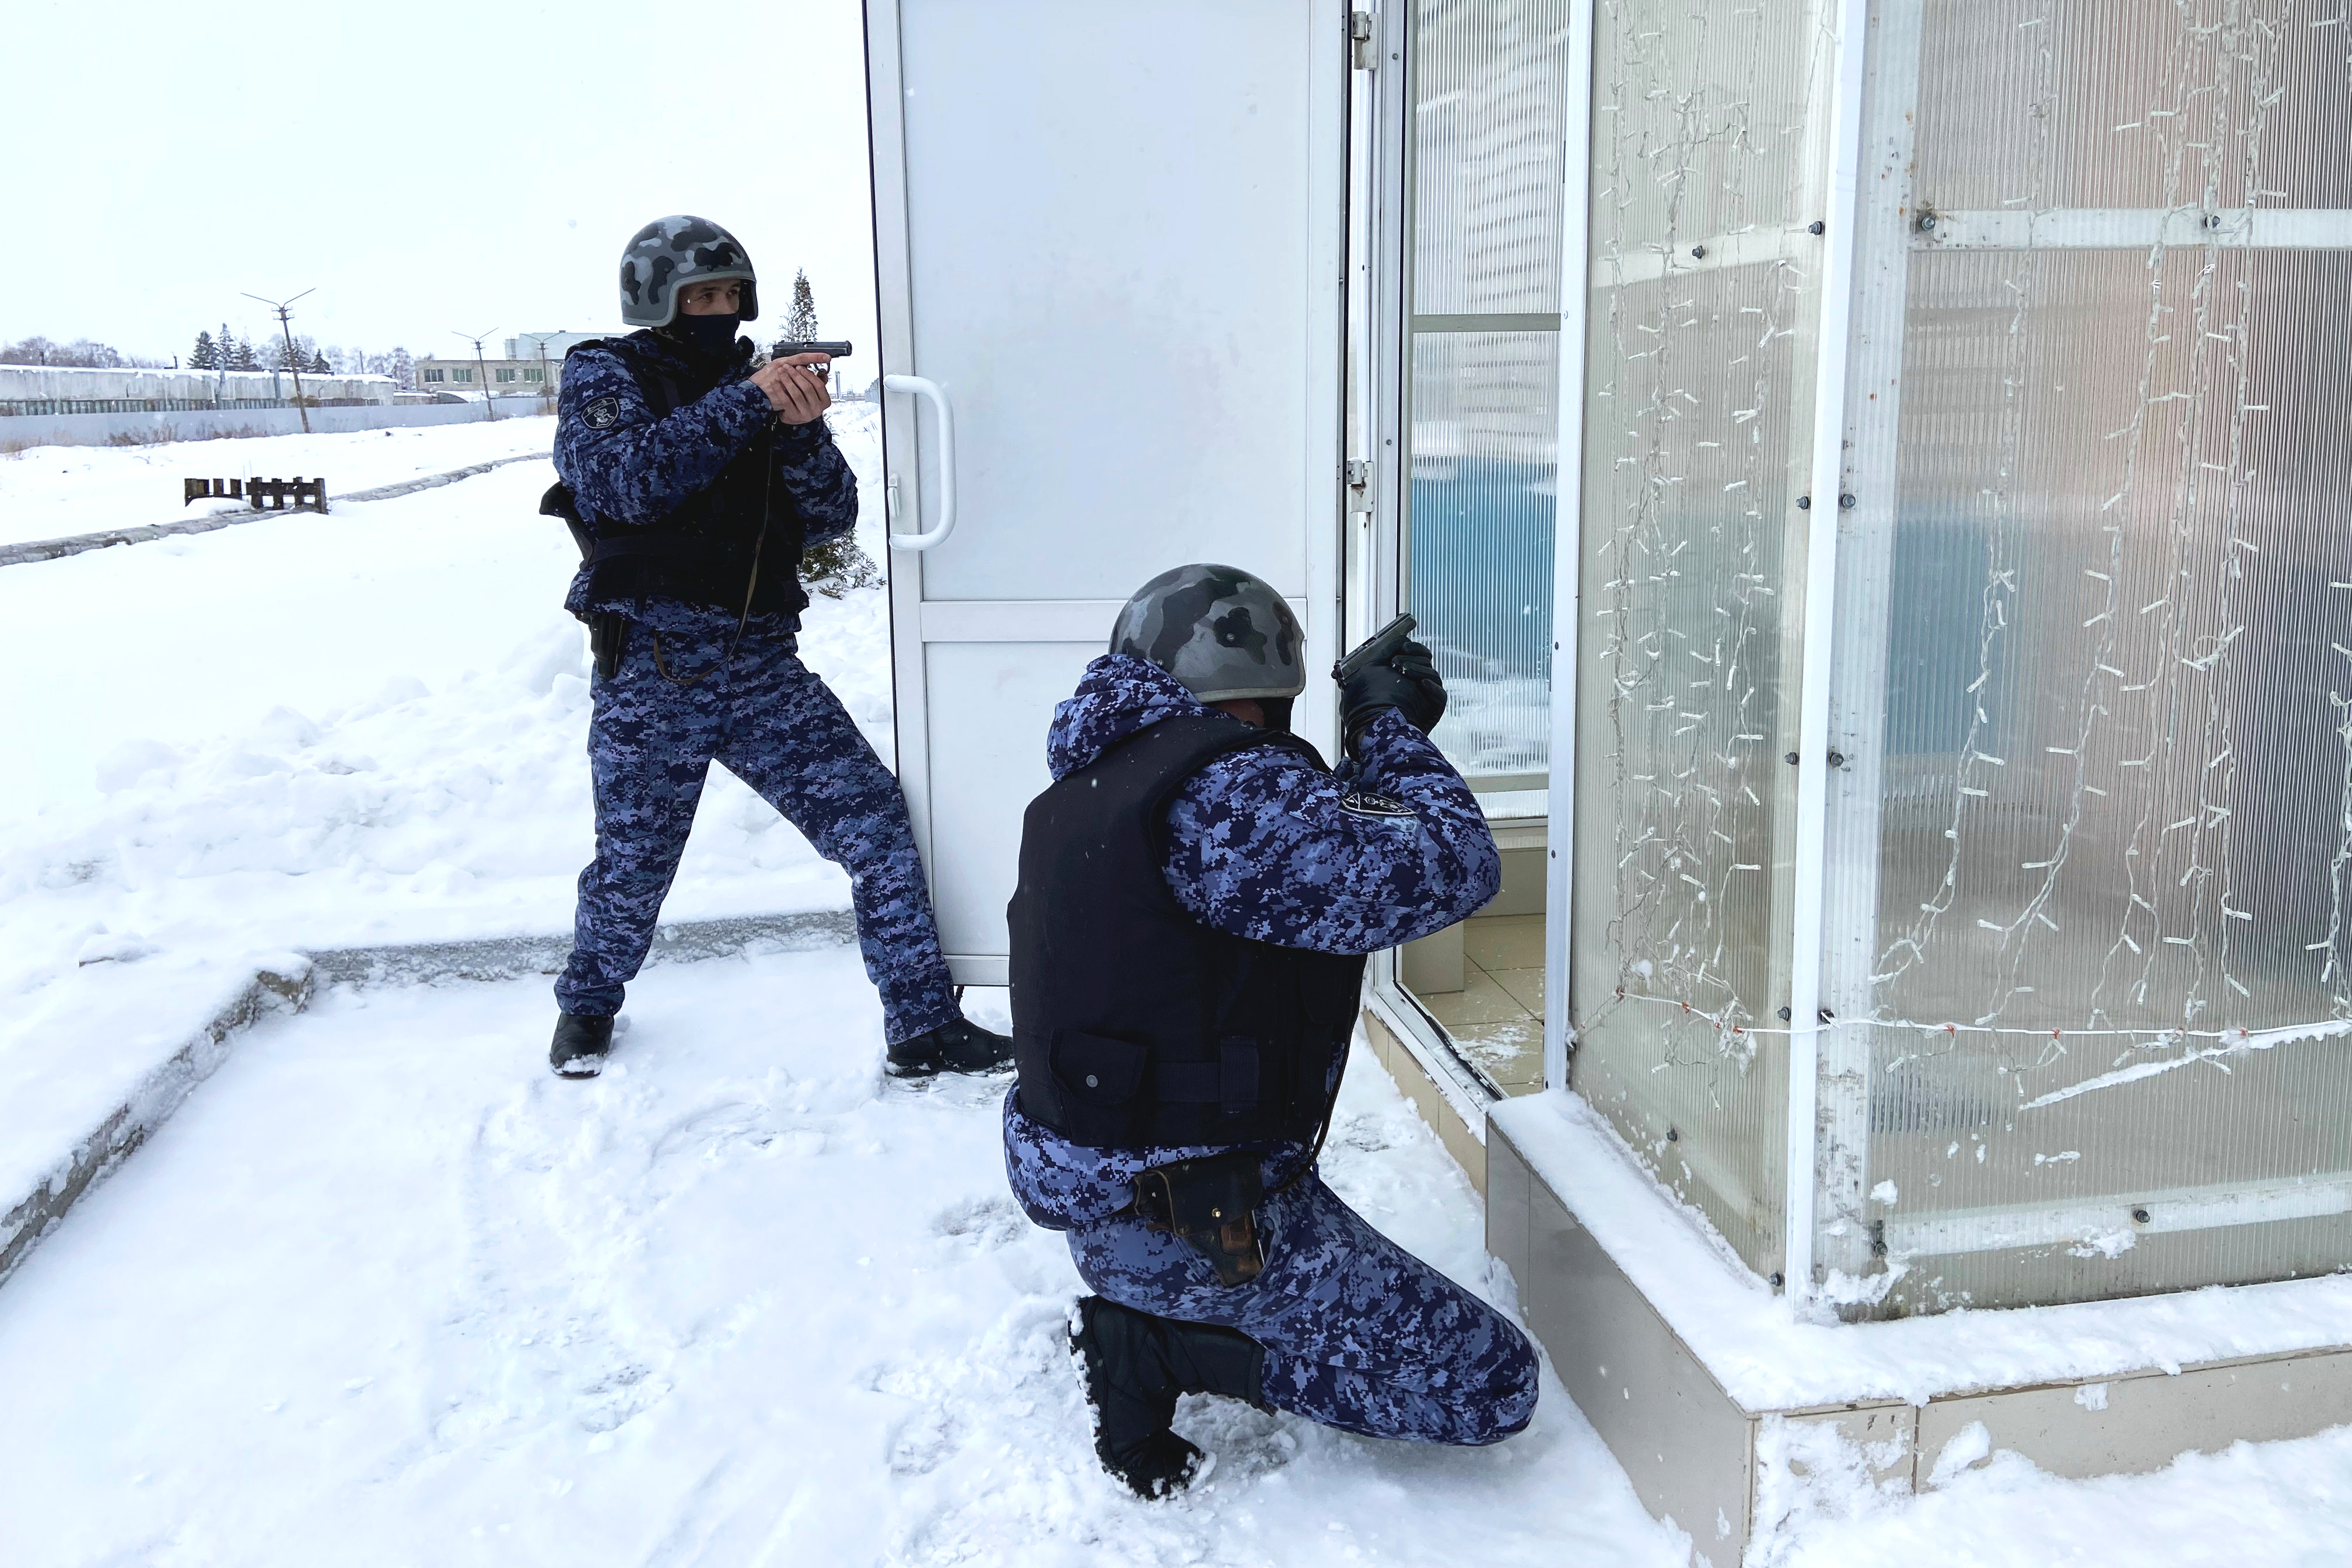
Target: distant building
[[505, 377], [552, 346], [531, 366]]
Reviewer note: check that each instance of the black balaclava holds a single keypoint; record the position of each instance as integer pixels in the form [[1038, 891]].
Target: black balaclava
[[713, 336]]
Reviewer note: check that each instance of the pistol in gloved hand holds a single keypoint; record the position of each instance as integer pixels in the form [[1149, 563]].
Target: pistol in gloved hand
[[1391, 671]]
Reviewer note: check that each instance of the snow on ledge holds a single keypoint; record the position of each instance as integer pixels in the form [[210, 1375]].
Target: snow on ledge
[[1751, 1342]]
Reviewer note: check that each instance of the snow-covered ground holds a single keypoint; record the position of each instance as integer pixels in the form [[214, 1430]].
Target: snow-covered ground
[[311, 731], [386, 1292], [47, 492]]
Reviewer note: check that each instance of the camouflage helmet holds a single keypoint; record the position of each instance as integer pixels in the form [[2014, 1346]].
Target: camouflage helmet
[[671, 251], [1218, 630]]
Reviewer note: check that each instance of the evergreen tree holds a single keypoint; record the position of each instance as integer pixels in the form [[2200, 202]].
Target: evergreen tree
[[225, 350], [297, 357], [837, 567], [800, 321], [318, 366], [242, 357], [203, 356]]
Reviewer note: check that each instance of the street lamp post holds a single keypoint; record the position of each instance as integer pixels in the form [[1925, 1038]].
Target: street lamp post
[[284, 317], [546, 387], [480, 368]]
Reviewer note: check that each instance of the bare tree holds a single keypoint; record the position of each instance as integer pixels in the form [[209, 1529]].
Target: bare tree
[[82, 352]]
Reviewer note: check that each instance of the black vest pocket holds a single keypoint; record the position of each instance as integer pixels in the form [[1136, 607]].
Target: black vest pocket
[[1094, 1070]]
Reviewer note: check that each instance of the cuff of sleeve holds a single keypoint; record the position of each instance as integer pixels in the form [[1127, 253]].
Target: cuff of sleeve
[[746, 406], [1383, 733], [799, 439]]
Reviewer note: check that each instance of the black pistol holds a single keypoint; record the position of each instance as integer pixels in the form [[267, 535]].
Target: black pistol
[[1379, 651], [788, 347]]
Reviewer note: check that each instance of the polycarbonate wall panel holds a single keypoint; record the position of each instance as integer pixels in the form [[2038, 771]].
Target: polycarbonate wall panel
[[2106, 1050], [1489, 93], [1490, 104], [2216, 104], [1698, 436], [1483, 499]]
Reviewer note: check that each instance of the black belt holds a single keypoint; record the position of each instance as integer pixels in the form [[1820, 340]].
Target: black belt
[[663, 547]]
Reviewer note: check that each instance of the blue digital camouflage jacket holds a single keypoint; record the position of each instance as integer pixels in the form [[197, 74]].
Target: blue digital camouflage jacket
[[623, 463], [1263, 844]]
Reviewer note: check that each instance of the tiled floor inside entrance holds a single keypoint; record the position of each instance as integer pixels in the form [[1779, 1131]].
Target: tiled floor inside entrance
[[1497, 1019]]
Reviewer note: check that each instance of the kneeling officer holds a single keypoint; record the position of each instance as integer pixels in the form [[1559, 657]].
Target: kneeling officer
[[692, 483], [1197, 895]]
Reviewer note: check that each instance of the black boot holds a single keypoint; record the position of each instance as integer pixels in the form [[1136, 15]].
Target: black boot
[[960, 1047], [1135, 1365], [580, 1045]]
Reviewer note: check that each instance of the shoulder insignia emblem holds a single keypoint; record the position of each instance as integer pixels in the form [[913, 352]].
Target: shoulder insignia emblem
[[1371, 802], [602, 414]]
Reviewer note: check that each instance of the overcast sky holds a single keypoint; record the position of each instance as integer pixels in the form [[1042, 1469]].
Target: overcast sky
[[426, 166]]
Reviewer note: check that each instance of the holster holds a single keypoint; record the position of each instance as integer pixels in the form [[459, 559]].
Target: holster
[[559, 501], [608, 639], [1211, 1204]]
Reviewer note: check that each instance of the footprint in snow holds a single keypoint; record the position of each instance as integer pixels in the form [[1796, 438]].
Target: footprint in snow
[[618, 1397], [714, 1130], [924, 1442], [985, 1223]]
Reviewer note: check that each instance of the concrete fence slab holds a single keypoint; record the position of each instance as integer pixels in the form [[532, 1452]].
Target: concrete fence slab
[[204, 424]]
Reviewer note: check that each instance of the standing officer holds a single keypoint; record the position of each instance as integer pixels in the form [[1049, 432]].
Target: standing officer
[[692, 483], [1197, 895]]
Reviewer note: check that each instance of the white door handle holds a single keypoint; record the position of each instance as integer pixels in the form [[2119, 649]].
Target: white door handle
[[929, 392]]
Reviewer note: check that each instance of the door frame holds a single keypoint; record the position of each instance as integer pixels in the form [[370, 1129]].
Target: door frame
[[1388, 351], [902, 493], [916, 622]]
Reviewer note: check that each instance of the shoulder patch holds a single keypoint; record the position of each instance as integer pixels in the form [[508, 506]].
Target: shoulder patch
[[1371, 802], [602, 414]]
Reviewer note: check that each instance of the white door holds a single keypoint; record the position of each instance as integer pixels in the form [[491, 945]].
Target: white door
[[1109, 238]]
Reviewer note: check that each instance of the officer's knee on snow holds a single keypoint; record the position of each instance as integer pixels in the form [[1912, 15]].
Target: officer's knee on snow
[[1506, 1402]]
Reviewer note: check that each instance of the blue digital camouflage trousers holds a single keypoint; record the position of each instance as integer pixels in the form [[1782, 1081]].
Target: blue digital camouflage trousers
[[777, 727], [1358, 1333]]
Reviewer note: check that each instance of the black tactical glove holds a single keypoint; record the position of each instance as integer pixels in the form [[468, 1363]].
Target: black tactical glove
[[1408, 682]]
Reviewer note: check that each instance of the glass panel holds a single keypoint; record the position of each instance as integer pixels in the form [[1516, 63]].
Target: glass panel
[[1698, 436], [1485, 487], [1489, 88], [1490, 94], [1489, 91]]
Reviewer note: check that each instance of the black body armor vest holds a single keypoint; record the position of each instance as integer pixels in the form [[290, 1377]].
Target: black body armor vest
[[700, 551], [1133, 1023]]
